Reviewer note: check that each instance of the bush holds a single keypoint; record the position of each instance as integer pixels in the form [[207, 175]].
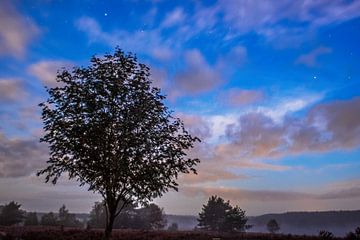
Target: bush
[[325, 235]]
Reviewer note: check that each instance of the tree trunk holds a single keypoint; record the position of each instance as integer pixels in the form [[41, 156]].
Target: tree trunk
[[110, 223]]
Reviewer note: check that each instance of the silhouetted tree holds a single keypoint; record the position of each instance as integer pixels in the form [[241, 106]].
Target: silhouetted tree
[[67, 219], [109, 128], [218, 215], [97, 216], [235, 220], [11, 214], [326, 235], [152, 217], [31, 219], [49, 219], [353, 235], [173, 227], [272, 226]]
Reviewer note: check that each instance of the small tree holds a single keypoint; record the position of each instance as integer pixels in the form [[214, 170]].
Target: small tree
[[48, 219], [11, 214], [273, 226], [107, 127], [31, 219], [235, 220], [97, 216], [219, 215], [67, 219], [353, 235], [152, 217], [173, 227], [326, 235]]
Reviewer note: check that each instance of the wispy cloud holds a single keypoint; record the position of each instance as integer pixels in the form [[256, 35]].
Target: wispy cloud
[[11, 90], [16, 31], [176, 17], [46, 71], [310, 59], [270, 19], [240, 97], [235, 194], [20, 156], [198, 76]]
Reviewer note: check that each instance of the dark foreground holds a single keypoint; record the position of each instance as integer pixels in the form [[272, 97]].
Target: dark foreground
[[56, 233]]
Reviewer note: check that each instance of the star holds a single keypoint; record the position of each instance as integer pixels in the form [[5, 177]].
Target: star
[[105, 14], [315, 77]]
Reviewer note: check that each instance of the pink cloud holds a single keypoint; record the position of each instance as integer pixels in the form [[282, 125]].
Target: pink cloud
[[16, 31], [310, 59]]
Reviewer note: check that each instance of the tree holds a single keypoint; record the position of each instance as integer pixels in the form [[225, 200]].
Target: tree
[[272, 226], [173, 227], [67, 219], [97, 216], [31, 219], [11, 214], [353, 235], [107, 127], [150, 217], [48, 219], [218, 215], [326, 235], [235, 220]]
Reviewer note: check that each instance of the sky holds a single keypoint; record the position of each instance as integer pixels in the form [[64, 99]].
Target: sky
[[272, 88]]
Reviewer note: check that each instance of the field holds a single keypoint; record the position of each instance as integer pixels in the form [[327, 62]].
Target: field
[[55, 233]]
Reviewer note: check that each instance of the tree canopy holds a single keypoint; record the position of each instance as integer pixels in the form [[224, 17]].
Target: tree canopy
[[49, 219], [31, 219], [272, 226], [108, 128], [219, 215], [11, 214]]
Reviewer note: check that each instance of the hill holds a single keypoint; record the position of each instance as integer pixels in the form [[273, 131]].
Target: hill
[[310, 223]]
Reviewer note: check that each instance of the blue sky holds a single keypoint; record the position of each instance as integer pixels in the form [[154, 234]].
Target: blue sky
[[271, 88]]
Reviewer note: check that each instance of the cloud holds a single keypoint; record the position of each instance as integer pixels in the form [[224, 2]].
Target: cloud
[[46, 71], [150, 42], [173, 18], [326, 127], [198, 77], [16, 31], [162, 53], [209, 174], [310, 59], [234, 194], [241, 97], [20, 157], [158, 77], [195, 125], [283, 23], [11, 90]]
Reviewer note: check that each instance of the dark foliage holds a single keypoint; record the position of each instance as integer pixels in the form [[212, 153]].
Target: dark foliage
[[273, 226], [107, 127], [353, 235], [326, 235], [67, 219], [31, 219], [218, 215], [49, 219], [173, 227], [149, 217], [11, 214]]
